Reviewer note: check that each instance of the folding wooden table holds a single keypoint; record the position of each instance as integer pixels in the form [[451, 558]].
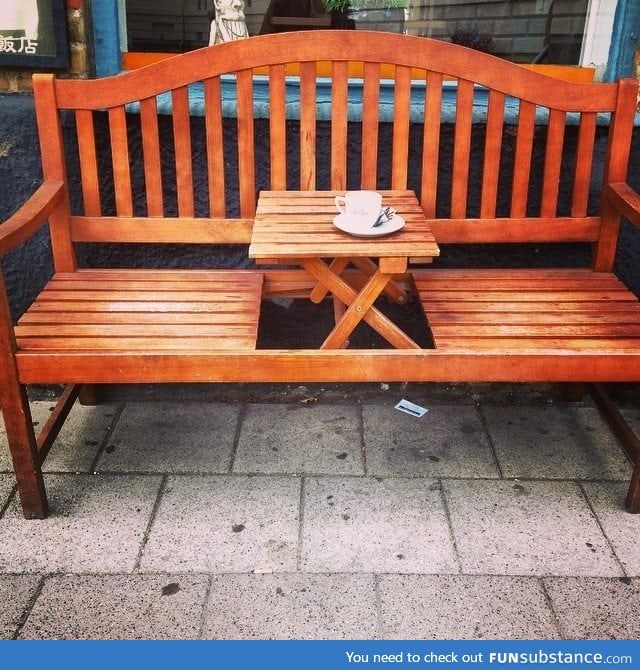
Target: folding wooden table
[[296, 227]]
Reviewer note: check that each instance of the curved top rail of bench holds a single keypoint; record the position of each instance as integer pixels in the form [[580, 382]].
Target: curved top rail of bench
[[335, 45]]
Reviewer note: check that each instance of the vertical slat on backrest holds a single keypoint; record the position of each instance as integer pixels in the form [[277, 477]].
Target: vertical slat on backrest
[[120, 160], [621, 130], [53, 168], [462, 149], [370, 120], [492, 153], [431, 142], [246, 159], [182, 148], [151, 154], [88, 162], [339, 113], [522, 161], [552, 163], [615, 170], [277, 127], [401, 120], [215, 146], [307, 126], [583, 165]]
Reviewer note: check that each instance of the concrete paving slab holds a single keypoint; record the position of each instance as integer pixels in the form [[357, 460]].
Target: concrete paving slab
[[461, 607], [78, 442], [96, 524], [225, 524], [622, 528], [292, 606], [448, 441], [526, 528], [555, 443], [356, 524], [632, 417], [7, 484], [596, 609], [309, 439], [172, 437], [16, 592], [118, 607]]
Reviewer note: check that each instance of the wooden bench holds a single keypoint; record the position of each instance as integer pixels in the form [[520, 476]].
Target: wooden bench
[[507, 158]]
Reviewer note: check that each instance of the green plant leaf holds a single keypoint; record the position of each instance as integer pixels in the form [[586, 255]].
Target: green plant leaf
[[334, 5]]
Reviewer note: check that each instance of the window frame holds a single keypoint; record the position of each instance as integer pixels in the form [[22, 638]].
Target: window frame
[[601, 36]]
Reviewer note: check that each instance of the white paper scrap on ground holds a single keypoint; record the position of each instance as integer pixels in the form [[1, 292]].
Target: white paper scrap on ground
[[410, 408]]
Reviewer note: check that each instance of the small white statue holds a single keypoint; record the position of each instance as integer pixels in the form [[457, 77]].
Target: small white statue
[[229, 22]]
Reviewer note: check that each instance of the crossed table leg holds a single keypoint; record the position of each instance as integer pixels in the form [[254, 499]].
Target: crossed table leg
[[359, 305]]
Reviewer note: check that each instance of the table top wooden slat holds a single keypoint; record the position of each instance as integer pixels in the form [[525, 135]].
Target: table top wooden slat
[[299, 224]]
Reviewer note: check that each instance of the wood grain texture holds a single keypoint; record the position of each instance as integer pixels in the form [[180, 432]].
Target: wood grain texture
[[565, 310], [109, 310]]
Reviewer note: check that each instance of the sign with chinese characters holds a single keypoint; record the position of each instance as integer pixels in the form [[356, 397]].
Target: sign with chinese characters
[[33, 33]]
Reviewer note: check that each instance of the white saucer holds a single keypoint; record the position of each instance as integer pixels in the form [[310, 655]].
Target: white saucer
[[349, 225]]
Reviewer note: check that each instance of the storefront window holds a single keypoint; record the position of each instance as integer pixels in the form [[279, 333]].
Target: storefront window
[[525, 31]]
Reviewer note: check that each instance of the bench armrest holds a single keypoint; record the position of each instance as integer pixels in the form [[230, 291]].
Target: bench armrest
[[19, 227], [625, 200]]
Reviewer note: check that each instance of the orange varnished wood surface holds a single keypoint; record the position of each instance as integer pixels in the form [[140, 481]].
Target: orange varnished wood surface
[[120, 310], [299, 225], [548, 310], [132, 60]]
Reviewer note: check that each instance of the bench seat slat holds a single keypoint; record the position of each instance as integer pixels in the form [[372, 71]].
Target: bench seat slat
[[506, 294], [95, 274], [118, 312], [142, 285], [177, 306], [531, 284], [602, 347], [131, 318], [218, 340], [240, 326], [527, 307], [224, 295], [554, 317], [496, 330]]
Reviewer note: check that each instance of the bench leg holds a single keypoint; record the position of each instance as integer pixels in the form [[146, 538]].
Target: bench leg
[[89, 395], [632, 503], [573, 392], [24, 452], [627, 438], [27, 463]]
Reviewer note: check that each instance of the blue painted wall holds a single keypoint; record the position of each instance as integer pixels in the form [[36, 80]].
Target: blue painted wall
[[106, 29], [624, 40]]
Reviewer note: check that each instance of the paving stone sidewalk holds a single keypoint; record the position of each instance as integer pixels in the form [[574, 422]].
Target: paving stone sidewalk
[[319, 520]]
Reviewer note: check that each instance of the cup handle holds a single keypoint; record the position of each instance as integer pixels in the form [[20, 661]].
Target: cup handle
[[341, 203]]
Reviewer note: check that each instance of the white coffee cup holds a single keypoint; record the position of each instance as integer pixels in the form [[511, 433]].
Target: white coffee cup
[[362, 206]]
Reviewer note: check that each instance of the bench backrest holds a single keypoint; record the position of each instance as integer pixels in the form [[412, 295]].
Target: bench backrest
[[470, 176]]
